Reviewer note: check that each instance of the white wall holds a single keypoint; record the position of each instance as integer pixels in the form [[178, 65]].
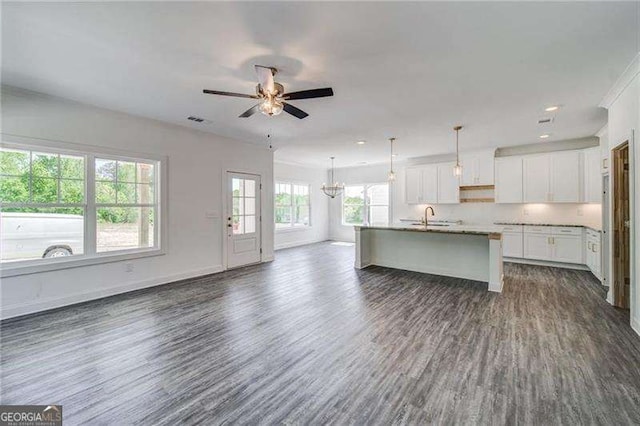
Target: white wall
[[480, 213], [197, 164], [624, 120], [319, 230]]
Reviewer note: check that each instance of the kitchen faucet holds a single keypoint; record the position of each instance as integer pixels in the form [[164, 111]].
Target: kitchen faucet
[[426, 211]]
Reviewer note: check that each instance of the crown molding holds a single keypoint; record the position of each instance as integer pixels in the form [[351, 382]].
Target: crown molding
[[602, 132], [623, 81]]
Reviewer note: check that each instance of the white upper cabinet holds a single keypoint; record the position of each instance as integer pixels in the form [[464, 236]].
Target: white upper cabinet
[[566, 177], [536, 178], [592, 176], [508, 180], [431, 184], [477, 168], [553, 178], [448, 184], [413, 191]]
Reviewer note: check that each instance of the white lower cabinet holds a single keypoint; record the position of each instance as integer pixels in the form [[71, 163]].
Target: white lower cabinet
[[592, 253], [537, 246], [512, 241], [553, 243]]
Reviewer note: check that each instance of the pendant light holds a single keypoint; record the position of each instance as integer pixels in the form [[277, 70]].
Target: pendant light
[[334, 188], [457, 169], [392, 175]]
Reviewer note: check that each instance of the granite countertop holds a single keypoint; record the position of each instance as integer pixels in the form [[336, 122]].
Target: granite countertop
[[452, 229], [548, 224]]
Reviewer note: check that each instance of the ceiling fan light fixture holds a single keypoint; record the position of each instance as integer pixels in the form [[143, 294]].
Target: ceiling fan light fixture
[[271, 106]]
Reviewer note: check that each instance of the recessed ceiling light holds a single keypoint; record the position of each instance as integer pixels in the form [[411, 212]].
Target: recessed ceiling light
[[545, 136], [552, 108], [360, 142]]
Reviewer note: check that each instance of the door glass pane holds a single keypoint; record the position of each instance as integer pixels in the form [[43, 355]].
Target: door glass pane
[[249, 206], [250, 188], [237, 206], [238, 224], [237, 187], [249, 224]]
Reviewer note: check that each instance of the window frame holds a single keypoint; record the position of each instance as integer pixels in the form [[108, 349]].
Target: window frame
[[367, 203], [291, 227], [90, 254]]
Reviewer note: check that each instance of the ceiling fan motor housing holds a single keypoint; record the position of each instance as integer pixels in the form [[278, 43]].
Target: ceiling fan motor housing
[[277, 86]]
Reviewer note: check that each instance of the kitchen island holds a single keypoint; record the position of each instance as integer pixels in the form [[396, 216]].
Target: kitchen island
[[470, 252]]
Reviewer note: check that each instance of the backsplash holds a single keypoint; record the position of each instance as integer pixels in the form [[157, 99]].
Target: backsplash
[[486, 213]]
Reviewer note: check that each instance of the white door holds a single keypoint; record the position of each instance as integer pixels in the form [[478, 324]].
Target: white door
[[536, 179], [243, 219], [567, 248], [537, 246], [469, 164], [448, 185], [566, 177], [512, 244], [429, 185], [413, 178], [508, 180]]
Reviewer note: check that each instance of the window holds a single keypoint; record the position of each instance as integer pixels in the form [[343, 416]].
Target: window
[[75, 205], [366, 204], [125, 207], [292, 205]]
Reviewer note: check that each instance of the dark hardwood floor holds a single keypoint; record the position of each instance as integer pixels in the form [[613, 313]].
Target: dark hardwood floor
[[308, 339]]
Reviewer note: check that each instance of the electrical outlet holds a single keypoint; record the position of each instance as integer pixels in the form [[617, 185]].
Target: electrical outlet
[[128, 267]]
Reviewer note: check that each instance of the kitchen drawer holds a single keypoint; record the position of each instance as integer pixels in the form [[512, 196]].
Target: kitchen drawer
[[566, 230], [512, 228], [532, 229], [593, 234]]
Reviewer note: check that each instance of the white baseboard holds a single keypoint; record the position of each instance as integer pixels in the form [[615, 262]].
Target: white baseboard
[[546, 263], [635, 324], [11, 311], [298, 243]]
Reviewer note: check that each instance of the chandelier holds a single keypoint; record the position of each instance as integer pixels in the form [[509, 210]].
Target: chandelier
[[334, 188]]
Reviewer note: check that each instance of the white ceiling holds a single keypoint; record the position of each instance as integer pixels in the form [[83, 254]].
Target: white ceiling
[[410, 70]]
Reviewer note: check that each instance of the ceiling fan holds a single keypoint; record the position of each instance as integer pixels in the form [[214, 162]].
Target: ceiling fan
[[272, 96]]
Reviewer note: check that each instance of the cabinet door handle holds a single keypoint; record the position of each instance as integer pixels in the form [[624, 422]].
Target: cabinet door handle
[[588, 245]]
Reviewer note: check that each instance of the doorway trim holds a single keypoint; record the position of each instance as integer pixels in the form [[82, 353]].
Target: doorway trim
[[620, 297], [630, 139]]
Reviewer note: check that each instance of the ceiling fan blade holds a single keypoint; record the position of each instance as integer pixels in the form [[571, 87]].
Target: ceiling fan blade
[[297, 112], [309, 94], [265, 78], [237, 95], [250, 111]]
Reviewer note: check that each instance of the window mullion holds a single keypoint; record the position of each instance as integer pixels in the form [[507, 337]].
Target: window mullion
[[91, 225]]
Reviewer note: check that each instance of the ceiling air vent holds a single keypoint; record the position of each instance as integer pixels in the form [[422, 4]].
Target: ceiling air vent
[[545, 120], [197, 119]]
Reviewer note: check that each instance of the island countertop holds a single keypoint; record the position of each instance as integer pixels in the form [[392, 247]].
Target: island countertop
[[494, 232]]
